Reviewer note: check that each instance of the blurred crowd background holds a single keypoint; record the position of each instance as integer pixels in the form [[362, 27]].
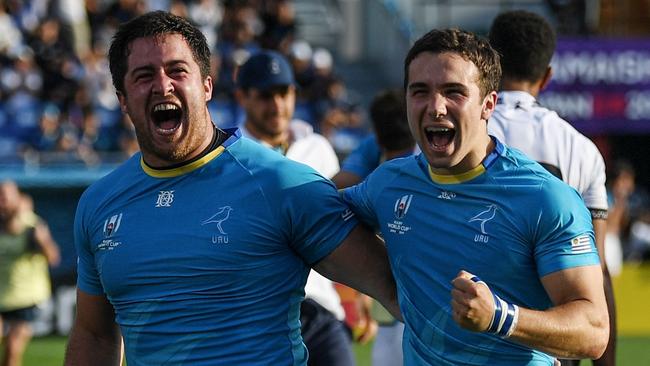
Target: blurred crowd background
[[61, 127], [57, 103]]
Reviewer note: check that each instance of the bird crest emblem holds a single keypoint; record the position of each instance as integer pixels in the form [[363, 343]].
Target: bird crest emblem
[[218, 218], [485, 216]]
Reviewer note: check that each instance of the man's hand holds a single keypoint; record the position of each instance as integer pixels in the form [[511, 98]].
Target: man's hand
[[472, 303]]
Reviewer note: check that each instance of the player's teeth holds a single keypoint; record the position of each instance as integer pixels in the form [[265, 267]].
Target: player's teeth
[[164, 107], [437, 129]]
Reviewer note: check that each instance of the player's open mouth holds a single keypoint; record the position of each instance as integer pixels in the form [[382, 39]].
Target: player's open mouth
[[167, 117], [439, 137]]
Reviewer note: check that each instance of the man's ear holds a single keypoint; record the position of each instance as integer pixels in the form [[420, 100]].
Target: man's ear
[[207, 87], [122, 99], [548, 74], [489, 104]]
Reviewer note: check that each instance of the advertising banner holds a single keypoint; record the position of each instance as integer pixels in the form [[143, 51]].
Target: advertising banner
[[601, 86]]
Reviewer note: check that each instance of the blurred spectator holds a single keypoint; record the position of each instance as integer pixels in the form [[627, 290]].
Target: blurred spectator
[[50, 128], [207, 15], [338, 115], [56, 93], [26, 249], [279, 22], [27, 14], [639, 247], [300, 56], [323, 62], [22, 75], [573, 16], [237, 41], [178, 7], [12, 39], [54, 54], [120, 11], [99, 86], [629, 217], [73, 15]]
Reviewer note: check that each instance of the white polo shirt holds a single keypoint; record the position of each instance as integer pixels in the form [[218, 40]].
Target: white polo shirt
[[520, 122]]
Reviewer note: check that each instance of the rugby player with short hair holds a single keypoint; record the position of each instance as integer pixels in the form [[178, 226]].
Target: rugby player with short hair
[[196, 250], [493, 256]]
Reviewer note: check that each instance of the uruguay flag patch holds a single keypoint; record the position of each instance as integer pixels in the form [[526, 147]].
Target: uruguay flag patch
[[581, 244]]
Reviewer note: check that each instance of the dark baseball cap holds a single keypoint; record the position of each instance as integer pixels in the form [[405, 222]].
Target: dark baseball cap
[[264, 70]]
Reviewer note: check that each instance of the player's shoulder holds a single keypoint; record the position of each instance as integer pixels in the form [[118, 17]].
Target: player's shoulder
[[114, 180], [399, 165], [396, 171], [516, 168], [528, 172], [269, 168]]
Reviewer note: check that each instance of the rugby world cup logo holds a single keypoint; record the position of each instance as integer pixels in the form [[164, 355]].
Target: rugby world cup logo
[[111, 225], [402, 206]]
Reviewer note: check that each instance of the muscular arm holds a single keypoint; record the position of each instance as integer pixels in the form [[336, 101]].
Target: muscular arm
[[576, 327], [609, 357], [95, 339], [361, 262]]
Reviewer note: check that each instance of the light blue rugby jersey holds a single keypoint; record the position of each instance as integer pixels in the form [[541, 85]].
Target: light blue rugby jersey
[[508, 221], [206, 264]]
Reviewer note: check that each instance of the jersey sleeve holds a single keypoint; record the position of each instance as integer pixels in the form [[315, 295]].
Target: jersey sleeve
[[364, 159], [358, 199], [87, 275], [318, 221], [564, 236], [595, 195]]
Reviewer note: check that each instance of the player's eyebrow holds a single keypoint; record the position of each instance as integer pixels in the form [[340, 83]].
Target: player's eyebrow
[[150, 67], [418, 85]]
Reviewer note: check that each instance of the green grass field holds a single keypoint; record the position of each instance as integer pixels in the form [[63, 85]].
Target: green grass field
[[48, 351]]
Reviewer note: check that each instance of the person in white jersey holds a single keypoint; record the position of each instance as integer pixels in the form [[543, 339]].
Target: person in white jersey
[[526, 43], [266, 91]]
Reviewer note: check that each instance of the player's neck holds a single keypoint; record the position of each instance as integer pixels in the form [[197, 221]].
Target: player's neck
[[532, 88]]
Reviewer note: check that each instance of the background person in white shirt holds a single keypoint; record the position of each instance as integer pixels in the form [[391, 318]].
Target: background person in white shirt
[[526, 43]]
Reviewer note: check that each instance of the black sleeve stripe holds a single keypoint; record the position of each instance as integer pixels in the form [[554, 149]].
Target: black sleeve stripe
[[597, 213]]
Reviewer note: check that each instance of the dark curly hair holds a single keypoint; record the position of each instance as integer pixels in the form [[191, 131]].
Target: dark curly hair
[[525, 41], [154, 24], [468, 45]]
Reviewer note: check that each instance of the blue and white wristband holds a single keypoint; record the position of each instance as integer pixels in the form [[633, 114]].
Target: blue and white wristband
[[505, 316]]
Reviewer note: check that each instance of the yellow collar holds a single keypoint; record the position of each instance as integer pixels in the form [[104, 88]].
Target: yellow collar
[[169, 173], [456, 178]]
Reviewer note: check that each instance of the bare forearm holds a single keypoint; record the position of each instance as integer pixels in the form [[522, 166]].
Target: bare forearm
[[573, 330], [609, 357], [361, 262], [85, 348], [600, 232]]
